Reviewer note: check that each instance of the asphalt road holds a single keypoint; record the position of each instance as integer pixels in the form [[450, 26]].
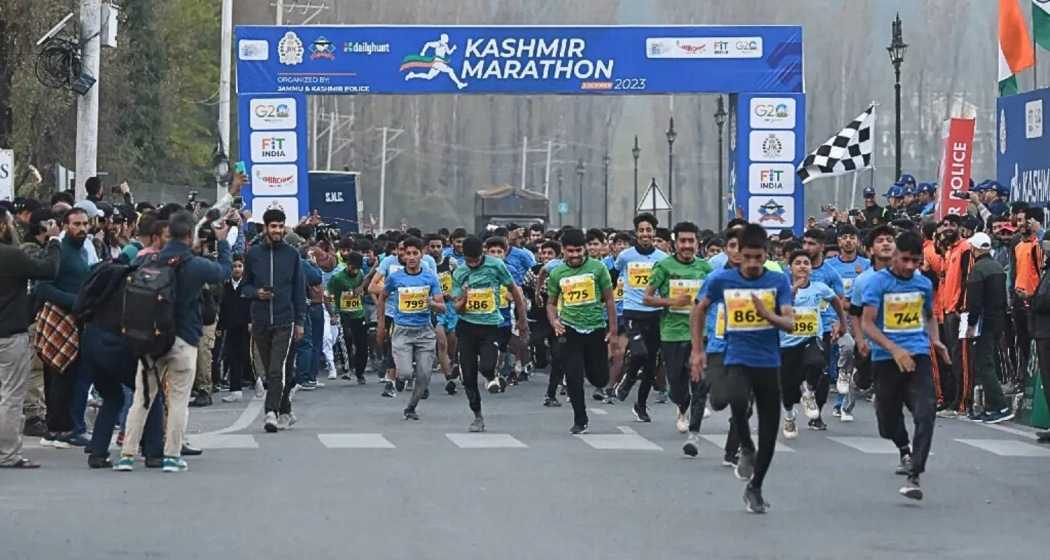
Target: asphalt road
[[353, 480]]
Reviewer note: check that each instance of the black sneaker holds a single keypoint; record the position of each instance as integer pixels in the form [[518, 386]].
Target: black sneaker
[[99, 462], [190, 451], [1043, 436], [203, 399], [410, 414], [911, 488], [640, 414], [623, 388], [745, 466], [817, 424], [426, 394], [599, 395], [399, 385], [610, 396], [361, 380], [562, 391], [904, 468], [388, 390], [551, 401], [346, 377], [154, 462], [753, 500], [450, 387], [577, 429], [730, 460], [996, 417]]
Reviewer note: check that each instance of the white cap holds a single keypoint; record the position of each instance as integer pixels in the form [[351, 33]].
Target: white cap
[[88, 207], [981, 241]]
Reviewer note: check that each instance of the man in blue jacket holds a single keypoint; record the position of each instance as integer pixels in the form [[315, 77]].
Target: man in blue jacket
[[274, 281], [176, 370]]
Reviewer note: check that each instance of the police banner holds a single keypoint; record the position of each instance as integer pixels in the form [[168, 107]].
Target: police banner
[[362, 59], [1022, 158]]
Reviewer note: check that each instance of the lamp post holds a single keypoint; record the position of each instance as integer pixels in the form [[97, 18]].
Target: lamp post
[[635, 151], [606, 160], [896, 52], [220, 167], [671, 135], [579, 207], [561, 218], [720, 121]]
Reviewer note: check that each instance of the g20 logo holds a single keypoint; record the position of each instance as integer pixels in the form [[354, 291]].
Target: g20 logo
[[268, 111], [746, 46], [769, 110], [273, 113]]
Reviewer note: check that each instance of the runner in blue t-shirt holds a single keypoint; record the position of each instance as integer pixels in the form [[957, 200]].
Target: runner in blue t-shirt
[[758, 303], [898, 317]]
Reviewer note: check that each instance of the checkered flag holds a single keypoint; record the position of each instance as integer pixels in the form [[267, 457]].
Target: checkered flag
[[845, 152]]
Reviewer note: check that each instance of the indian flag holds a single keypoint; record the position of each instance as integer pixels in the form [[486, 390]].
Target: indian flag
[[1015, 46], [1041, 22]]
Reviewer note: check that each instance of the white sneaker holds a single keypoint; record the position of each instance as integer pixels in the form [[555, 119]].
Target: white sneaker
[[790, 428], [707, 411], [234, 396], [682, 423], [846, 417], [493, 386], [332, 375], [284, 421], [260, 391], [55, 443], [809, 403], [844, 382], [270, 425]]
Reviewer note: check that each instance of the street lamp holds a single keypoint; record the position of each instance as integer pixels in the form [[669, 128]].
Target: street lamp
[[561, 218], [720, 121], [579, 207], [606, 160], [896, 52], [635, 151], [671, 135], [220, 165]]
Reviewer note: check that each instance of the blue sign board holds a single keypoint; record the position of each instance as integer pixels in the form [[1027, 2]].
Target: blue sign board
[[629, 60], [334, 195], [1023, 144], [768, 143], [273, 146]]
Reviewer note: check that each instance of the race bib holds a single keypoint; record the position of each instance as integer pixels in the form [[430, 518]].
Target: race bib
[[618, 292], [638, 274], [413, 299], [480, 301], [720, 322], [504, 297], [902, 313], [807, 321], [684, 287], [446, 282], [847, 285], [349, 302], [741, 315], [578, 290]]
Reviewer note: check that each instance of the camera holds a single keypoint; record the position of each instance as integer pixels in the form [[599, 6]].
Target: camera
[[854, 212], [192, 195], [960, 195]]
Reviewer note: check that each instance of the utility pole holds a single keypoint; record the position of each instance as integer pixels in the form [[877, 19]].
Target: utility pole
[[524, 158], [224, 83], [280, 12], [382, 171], [87, 104]]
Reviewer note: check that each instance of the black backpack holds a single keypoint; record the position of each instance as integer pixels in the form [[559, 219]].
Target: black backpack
[[148, 306]]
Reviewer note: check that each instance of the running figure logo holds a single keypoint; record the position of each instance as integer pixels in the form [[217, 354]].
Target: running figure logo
[[436, 64]]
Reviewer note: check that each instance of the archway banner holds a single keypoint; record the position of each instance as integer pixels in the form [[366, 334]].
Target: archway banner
[[413, 60]]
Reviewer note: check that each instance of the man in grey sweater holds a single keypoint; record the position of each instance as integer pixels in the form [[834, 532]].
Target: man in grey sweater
[[16, 269]]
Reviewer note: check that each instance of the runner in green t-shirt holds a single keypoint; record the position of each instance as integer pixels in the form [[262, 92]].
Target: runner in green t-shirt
[[346, 288], [581, 297], [673, 286]]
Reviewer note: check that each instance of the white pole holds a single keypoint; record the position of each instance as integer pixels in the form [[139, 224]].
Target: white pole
[[382, 185], [524, 158], [280, 12], [224, 84], [316, 105], [547, 173], [853, 193], [87, 104], [331, 138]]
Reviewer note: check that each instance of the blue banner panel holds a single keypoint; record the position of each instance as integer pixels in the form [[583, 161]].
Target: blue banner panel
[[1023, 156], [769, 144], [273, 146], [334, 195], [518, 60]]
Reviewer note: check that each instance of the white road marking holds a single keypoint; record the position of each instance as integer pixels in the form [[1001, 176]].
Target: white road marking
[[597, 411], [628, 440], [355, 441], [1007, 447], [225, 441], [1010, 430], [246, 418], [871, 445], [720, 441], [485, 441]]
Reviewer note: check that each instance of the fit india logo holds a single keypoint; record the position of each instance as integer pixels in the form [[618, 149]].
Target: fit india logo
[[290, 49], [771, 211], [431, 65]]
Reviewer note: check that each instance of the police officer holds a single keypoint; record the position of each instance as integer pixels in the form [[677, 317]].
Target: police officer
[[873, 213]]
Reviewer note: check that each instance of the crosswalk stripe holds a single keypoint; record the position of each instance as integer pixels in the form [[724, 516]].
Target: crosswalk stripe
[[720, 441], [871, 445], [485, 441], [597, 411], [1007, 447], [355, 441], [225, 441], [627, 440]]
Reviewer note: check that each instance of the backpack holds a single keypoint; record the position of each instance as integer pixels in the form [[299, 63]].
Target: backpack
[[148, 306], [99, 297]]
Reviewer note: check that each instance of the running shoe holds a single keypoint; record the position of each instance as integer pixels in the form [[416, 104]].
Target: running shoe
[[730, 460], [745, 466], [234, 396], [661, 397], [836, 411], [692, 444], [55, 441], [640, 414], [388, 390], [551, 402], [284, 421], [911, 488], [844, 381], [399, 385], [809, 403], [997, 417], [125, 464], [346, 377], [96, 462], [304, 386], [681, 422], [478, 425], [577, 429], [77, 440], [599, 395], [753, 500], [904, 467], [1043, 436], [790, 428], [502, 383], [493, 386], [361, 380], [623, 388], [817, 424], [332, 375], [260, 391], [846, 417], [175, 464], [610, 396], [270, 424], [707, 411], [410, 414], [450, 387]]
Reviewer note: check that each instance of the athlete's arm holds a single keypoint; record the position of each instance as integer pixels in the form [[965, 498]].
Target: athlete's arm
[[519, 306], [900, 356], [437, 303], [785, 321], [610, 308], [552, 315], [698, 356], [836, 303], [375, 287], [380, 317]]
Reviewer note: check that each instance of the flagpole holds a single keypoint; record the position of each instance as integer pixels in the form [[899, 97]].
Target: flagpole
[[874, 122]]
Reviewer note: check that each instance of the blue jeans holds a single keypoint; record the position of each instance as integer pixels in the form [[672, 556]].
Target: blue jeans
[[308, 350], [84, 377]]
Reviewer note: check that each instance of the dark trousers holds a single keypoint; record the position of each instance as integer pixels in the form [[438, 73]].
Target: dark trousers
[[985, 354], [584, 355], [310, 346], [541, 336], [355, 333], [952, 375], [684, 393], [110, 363], [646, 330], [1042, 348], [798, 363], [764, 384], [478, 348], [58, 395], [1024, 338], [274, 347], [549, 342], [895, 389], [236, 355]]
